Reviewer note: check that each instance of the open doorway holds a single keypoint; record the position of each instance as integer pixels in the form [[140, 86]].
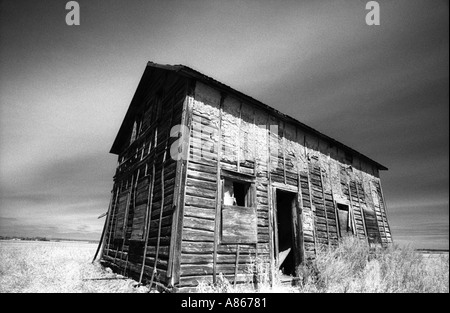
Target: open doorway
[[285, 243], [345, 225]]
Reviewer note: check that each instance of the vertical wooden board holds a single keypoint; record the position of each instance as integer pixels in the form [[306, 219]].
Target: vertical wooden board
[[361, 202], [230, 129], [246, 134], [137, 227], [291, 148], [373, 232], [356, 162], [311, 142], [343, 158], [205, 108], [323, 146], [120, 214], [112, 217], [383, 211], [290, 132], [260, 138], [274, 143], [180, 192], [375, 196], [378, 211], [365, 178], [301, 149], [366, 168], [362, 194], [281, 149]]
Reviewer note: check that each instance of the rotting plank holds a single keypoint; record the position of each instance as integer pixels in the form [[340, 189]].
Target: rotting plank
[[218, 202], [270, 204], [147, 219], [324, 204], [300, 216], [162, 193], [362, 212]]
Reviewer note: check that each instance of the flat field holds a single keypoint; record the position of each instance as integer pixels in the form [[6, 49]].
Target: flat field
[[62, 267], [65, 267]]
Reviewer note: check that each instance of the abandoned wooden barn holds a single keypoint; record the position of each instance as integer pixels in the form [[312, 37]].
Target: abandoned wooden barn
[[209, 180]]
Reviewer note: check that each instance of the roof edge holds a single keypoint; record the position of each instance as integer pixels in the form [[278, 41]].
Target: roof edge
[[187, 71], [191, 73]]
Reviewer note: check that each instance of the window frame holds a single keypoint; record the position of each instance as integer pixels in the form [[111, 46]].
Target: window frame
[[246, 232], [347, 208]]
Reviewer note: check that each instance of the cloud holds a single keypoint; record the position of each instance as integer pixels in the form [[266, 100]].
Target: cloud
[[64, 92]]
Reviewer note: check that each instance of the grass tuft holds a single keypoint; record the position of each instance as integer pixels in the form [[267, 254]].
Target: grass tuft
[[353, 267], [350, 267]]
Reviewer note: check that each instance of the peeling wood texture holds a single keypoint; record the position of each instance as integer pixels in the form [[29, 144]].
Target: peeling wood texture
[[168, 223], [239, 225]]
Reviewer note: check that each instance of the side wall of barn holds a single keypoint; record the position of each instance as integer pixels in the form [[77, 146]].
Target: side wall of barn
[[139, 227], [229, 136]]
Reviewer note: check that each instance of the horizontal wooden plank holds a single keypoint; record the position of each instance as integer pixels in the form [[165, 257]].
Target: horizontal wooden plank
[[199, 212], [200, 184], [197, 258], [163, 250], [193, 281], [193, 247], [202, 176], [199, 223], [201, 192], [190, 234], [193, 166], [207, 269], [239, 225], [200, 202]]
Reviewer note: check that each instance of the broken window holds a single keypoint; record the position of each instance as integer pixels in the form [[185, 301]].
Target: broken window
[[239, 217], [345, 221], [236, 193]]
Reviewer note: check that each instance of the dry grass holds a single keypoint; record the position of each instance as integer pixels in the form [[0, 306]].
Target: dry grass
[[48, 267], [259, 271], [353, 268]]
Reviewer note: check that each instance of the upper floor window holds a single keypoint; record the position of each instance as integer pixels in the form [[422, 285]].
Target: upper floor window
[[236, 193]]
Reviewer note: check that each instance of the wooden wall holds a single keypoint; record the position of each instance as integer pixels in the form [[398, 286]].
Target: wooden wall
[[230, 134], [139, 226], [166, 218]]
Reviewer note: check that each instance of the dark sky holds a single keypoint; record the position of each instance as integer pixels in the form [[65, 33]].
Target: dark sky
[[64, 90]]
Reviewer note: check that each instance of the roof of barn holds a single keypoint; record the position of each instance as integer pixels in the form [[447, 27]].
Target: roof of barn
[[191, 73]]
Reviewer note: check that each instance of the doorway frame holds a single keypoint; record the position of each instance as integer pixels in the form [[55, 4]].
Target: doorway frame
[[297, 225]]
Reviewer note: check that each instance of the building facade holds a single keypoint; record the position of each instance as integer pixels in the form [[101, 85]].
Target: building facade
[[210, 180]]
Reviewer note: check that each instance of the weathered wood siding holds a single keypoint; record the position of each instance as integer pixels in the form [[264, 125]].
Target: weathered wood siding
[[140, 221], [167, 222], [229, 134]]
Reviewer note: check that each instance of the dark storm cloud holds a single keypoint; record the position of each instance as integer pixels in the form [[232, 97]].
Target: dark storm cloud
[[64, 91]]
